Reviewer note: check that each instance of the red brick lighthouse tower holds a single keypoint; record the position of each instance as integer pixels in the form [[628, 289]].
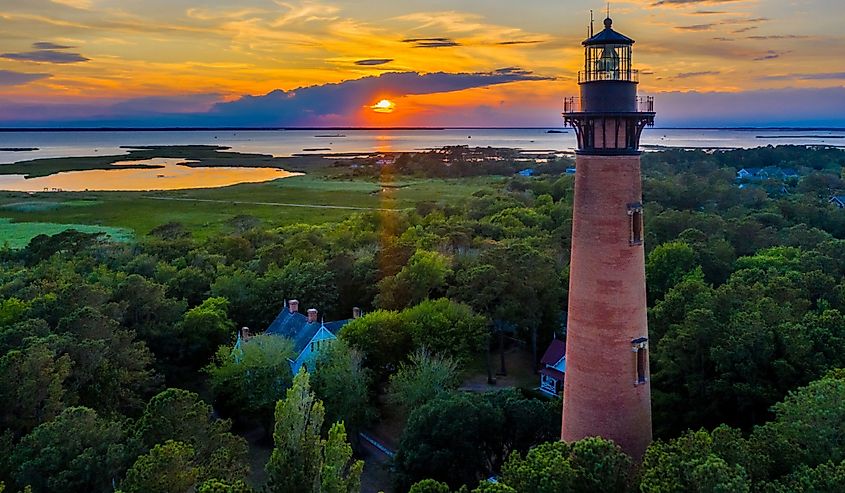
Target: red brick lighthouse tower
[[606, 388]]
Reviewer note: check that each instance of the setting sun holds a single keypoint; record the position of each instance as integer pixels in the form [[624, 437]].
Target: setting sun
[[384, 106]]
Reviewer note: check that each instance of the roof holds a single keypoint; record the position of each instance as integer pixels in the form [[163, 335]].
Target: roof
[[556, 351], [608, 36], [295, 326]]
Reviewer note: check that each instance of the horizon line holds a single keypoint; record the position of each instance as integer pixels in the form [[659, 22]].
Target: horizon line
[[390, 128]]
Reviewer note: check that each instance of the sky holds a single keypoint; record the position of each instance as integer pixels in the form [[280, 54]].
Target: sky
[[708, 63]]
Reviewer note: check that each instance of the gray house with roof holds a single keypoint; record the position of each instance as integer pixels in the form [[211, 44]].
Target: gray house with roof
[[309, 335]]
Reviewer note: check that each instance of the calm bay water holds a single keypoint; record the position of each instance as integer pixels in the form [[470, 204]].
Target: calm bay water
[[290, 142]]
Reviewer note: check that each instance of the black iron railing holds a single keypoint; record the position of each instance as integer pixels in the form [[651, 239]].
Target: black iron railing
[[644, 104], [618, 75]]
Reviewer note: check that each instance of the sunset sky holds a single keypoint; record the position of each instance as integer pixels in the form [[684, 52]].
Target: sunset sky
[[434, 62]]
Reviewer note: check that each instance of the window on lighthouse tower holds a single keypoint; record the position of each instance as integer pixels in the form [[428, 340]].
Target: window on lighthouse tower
[[635, 213]]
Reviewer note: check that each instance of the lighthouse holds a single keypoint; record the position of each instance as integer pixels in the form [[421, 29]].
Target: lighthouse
[[606, 388]]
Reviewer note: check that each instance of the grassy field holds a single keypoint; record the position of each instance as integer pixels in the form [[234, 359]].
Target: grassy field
[[309, 199], [321, 195], [18, 235]]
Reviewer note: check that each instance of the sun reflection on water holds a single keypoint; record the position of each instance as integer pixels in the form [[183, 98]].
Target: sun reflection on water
[[167, 174]]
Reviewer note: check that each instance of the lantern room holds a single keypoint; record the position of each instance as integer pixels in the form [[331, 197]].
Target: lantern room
[[607, 56]]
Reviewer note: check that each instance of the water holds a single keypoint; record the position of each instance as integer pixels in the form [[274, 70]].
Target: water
[[289, 142], [167, 175]]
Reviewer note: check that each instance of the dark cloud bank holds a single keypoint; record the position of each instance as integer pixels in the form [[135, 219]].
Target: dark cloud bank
[[339, 104]]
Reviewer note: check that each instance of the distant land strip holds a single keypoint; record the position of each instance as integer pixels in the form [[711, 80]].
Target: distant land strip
[[276, 204], [801, 136]]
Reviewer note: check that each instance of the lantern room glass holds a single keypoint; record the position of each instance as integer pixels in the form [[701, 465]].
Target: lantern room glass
[[608, 62]]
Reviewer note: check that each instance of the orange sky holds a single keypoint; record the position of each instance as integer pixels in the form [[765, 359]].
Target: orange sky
[[86, 56]]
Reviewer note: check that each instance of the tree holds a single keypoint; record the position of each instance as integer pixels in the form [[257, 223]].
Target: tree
[[382, 338], [340, 474], [217, 486], [312, 283], [523, 289], [807, 429], [167, 468], [423, 378], [295, 461], [32, 387], [12, 310], [430, 486], [452, 439], [343, 384], [301, 460], [692, 463], [826, 478], [112, 370], [425, 273], [249, 379], [180, 416], [76, 452], [447, 328], [203, 329], [667, 265], [149, 312], [592, 465], [545, 469]]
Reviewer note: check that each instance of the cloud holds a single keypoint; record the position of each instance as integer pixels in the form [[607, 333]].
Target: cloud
[[687, 75], [697, 27], [690, 2], [46, 45], [431, 42], [46, 56], [11, 78], [770, 55], [779, 36], [527, 42], [810, 76], [343, 101], [745, 29], [373, 61]]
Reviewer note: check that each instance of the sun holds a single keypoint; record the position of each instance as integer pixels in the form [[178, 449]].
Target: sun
[[384, 106]]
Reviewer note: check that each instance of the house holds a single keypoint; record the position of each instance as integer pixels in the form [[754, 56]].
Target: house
[[553, 368], [767, 173], [839, 200], [748, 173], [308, 333]]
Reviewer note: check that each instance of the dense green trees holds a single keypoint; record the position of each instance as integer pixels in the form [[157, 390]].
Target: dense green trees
[[462, 438], [746, 296], [250, 379], [77, 451], [592, 465], [386, 338], [423, 378], [340, 380], [180, 416], [301, 460]]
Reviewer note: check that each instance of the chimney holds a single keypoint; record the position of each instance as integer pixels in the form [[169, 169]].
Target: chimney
[[356, 312], [245, 334], [293, 306], [312, 315]]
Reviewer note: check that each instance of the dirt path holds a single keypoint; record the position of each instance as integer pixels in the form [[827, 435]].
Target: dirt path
[[275, 204]]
